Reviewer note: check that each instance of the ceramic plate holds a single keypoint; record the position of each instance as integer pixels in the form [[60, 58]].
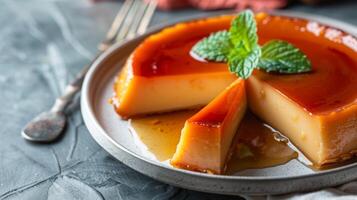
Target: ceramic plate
[[113, 135]]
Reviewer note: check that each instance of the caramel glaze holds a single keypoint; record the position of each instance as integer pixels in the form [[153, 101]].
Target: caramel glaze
[[255, 145], [330, 86], [160, 133], [168, 52], [333, 82]]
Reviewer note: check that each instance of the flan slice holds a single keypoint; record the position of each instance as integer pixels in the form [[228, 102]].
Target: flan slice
[[317, 111], [161, 75], [207, 136]]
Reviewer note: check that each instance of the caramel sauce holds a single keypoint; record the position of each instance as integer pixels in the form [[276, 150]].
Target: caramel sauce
[[258, 146], [329, 87], [332, 83], [168, 52], [255, 145], [160, 133]]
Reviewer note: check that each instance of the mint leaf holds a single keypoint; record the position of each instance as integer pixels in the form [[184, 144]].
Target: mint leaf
[[243, 63], [215, 47], [280, 56], [244, 30], [244, 57]]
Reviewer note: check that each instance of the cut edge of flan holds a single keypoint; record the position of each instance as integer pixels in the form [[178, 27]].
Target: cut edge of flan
[[207, 136]]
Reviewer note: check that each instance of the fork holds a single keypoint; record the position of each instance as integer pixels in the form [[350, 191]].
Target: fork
[[132, 19]]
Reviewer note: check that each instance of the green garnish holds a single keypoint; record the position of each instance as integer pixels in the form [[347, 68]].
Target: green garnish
[[280, 56], [215, 47], [240, 49]]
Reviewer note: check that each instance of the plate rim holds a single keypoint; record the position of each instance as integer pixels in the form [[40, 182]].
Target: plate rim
[[98, 132]]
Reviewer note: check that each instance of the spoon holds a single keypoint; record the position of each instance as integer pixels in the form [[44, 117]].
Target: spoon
[[132, 19], [48, 126]]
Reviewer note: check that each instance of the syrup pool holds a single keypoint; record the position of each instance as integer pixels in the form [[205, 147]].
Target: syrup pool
[[255, 146]]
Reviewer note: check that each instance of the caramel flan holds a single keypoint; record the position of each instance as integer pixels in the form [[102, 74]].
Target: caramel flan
[[207, 136], [316, 110]]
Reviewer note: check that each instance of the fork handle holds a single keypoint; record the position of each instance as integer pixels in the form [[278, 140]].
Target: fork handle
[[72, 89]]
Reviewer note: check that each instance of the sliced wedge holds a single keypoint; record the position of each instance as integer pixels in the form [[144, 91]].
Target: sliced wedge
[[207, 136]]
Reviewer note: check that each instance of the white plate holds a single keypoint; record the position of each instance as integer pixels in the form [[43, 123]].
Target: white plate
[[113, 135]]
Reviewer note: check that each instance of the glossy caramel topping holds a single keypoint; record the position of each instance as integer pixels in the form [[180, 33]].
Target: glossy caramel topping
[[168, 52], [255, 146], [333, 82]]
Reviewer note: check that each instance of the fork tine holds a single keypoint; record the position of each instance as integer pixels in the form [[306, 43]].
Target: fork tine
[[118, 21], [128, 21], [133, 18], [116, 25], [139, 21], [138, 18], [147, 17]]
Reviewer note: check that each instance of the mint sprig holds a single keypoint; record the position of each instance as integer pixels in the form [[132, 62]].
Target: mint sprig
[[239, 48]]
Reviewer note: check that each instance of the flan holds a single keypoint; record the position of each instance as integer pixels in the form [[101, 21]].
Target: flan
[[161, 75], [317, 111], [207, 136]]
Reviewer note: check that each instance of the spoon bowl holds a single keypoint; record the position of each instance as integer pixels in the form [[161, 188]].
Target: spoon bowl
[[46, 127]]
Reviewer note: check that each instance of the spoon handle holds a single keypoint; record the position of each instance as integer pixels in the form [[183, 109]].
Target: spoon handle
[[72, 88], [70, 91]]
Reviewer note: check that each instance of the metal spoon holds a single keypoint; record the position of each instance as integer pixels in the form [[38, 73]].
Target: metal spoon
[[48, 126], [133, 18]]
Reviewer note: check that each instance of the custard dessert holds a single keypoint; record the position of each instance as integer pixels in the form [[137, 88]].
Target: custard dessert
[[316, 109]]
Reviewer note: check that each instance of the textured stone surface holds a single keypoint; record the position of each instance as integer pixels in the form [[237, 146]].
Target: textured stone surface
[[43, 44]]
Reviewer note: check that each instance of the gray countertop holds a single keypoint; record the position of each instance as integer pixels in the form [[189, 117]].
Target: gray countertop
[[43, 44]]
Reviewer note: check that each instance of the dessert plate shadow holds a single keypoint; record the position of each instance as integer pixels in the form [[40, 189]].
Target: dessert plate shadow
[[114, 136]]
